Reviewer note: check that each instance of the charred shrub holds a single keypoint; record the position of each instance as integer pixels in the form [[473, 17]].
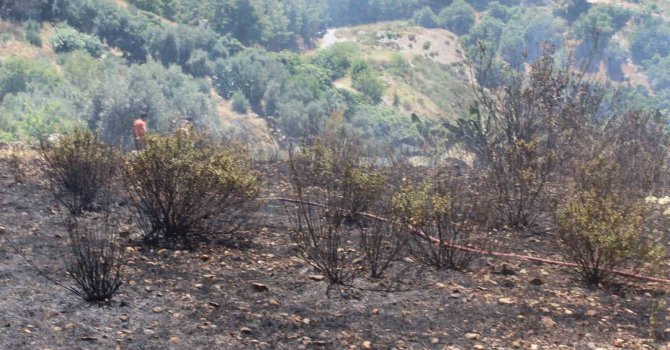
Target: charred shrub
[[94, 259], [441, 212], [602, 225], [79, 165], [525, 132], [183, 182], [382, 240], [323, 198], [334, 232]]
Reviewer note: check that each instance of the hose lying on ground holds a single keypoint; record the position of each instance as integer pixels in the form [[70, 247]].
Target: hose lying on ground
[[419, 233]]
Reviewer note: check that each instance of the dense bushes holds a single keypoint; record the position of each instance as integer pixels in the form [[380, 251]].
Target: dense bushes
[[33, 32], [366, 80], [180, 183], [65, 39], [458, 17]]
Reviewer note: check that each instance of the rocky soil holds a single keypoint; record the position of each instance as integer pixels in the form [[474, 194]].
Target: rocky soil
[[249, 291]]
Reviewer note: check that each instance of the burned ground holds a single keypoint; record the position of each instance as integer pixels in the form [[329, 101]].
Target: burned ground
[[205, 298]]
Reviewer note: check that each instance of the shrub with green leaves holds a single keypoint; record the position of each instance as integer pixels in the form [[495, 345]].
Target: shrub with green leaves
[[79, 166], [66, 39], [240, 102], [367, 81], [601, 228], [181, 184], [443, 210], [33, 32]]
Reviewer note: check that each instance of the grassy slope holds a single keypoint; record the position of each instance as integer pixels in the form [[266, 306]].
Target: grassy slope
[[435, 83]]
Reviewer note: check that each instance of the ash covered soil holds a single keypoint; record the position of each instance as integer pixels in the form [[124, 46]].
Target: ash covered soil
[[205, 298]]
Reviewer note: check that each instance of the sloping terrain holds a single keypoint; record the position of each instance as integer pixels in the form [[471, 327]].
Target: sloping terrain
[[435, 83]]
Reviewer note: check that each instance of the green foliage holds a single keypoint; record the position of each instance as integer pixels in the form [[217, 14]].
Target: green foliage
[[595, 28], [181, 183], [381, 126], [79, 166], [240, 103], [649, 39], [486, 32], [337, 59], [458, 17], [108, 21], [66, 39], [572, 9], [366, 80], [23, 9], [525, 35], [441, 210], [155, 6], [33, 32], [601, 229], [425, 17], [20, 75], [166, 95], [498, 11]]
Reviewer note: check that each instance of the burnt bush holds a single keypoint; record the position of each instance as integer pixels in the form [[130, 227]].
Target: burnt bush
[[383, 239], [526, 131], [443, 211], [181, 183], [94, 258], [335, 233], [78, 166]]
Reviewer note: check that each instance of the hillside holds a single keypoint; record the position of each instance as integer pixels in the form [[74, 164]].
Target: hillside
[[334, 174]]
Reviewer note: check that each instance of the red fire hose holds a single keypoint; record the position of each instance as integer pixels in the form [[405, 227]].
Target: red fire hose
[[419, 233]]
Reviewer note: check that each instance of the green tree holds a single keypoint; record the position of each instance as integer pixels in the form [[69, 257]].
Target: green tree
[[458, 17]]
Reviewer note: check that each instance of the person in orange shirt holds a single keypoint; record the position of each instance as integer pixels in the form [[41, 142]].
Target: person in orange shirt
[[139, 129]]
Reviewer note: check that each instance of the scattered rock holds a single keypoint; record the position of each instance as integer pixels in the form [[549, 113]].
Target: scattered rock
[[537, 282], [367, 344], [204, 257], [123, 318], [506, 301], [479, 347], [174, 339], [548, 322], [306, 321], [258, 287], [591, 313], [317, 278], [471, 336], [618, 343], [274, 302], [157, 309], [148, 331], [88, 338], [214, 304], [245, 330], [434, 341], [503, 269]]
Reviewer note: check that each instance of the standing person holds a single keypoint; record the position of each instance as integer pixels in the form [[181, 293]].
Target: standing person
[[139, 129]]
